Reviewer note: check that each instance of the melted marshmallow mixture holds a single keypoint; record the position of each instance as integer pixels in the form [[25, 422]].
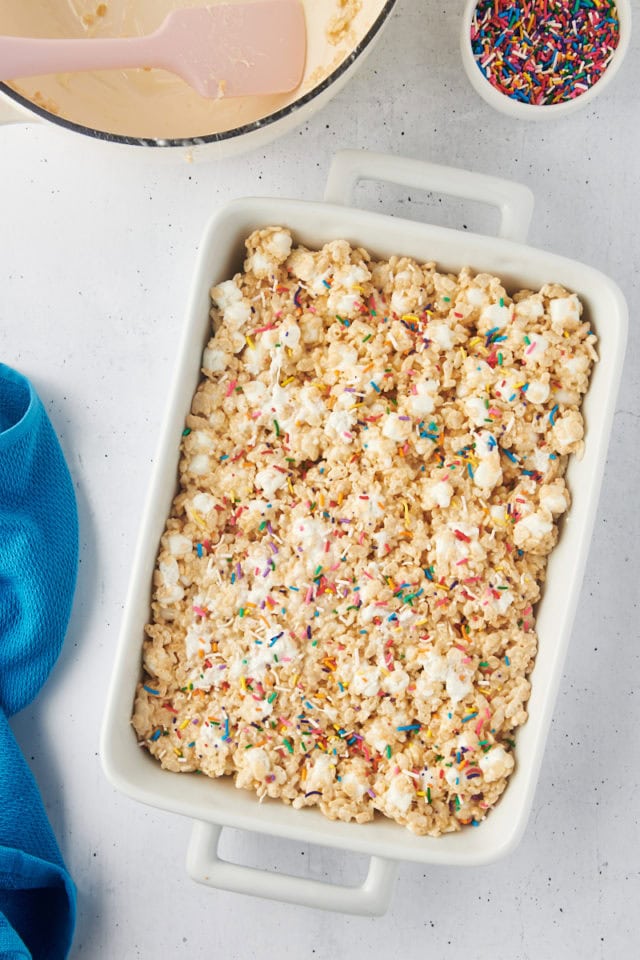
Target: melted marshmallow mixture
[[157, 104], [370, 484]]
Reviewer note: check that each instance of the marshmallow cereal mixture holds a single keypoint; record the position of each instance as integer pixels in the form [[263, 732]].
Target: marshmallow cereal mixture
[[371, 478]]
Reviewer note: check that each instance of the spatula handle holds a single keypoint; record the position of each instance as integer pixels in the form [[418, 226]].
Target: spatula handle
[[28, 57]]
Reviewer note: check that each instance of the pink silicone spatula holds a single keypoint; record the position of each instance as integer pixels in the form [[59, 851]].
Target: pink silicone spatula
[[230, 50]]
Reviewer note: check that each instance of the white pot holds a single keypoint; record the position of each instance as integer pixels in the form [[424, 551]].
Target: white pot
[[16, 109]]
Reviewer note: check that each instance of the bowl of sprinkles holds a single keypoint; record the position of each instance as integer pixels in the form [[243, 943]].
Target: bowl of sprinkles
[[536, 59]]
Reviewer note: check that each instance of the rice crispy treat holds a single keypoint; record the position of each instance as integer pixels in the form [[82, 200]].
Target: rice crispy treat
[[370, 484]]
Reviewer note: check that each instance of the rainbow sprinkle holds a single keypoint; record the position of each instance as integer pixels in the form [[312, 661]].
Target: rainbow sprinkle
[[544, 53], [310, 578]]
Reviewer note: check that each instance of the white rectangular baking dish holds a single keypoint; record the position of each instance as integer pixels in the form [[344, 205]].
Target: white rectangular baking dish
[[216, 803]]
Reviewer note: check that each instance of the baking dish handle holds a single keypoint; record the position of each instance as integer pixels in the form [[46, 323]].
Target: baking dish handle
[[204, 865], [514, 200]]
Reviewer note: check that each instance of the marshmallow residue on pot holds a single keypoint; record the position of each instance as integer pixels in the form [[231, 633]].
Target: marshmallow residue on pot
[[156, 104]]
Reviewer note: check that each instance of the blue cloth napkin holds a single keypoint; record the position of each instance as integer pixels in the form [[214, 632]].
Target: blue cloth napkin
[[38, 566]]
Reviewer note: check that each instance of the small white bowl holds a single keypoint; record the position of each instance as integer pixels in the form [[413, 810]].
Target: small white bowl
[[531, 111]]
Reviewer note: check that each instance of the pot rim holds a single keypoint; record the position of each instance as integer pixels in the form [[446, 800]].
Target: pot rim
[[222, 136]]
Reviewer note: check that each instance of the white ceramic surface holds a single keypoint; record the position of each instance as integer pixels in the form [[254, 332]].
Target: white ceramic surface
[[528, 111], [218, 802]]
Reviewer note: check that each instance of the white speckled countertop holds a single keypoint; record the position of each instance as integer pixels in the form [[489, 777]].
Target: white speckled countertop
[[95, 264]]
